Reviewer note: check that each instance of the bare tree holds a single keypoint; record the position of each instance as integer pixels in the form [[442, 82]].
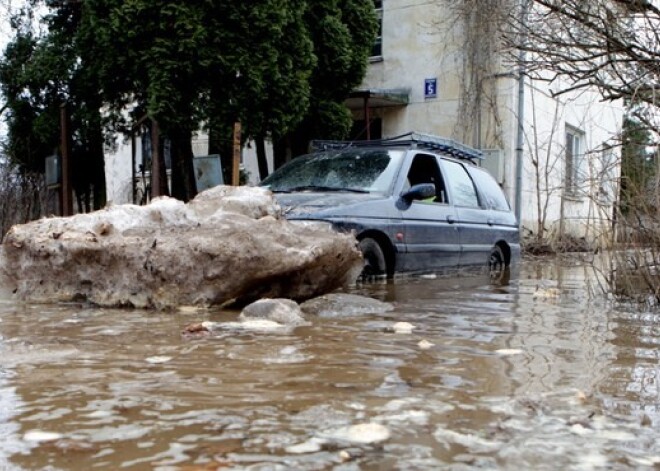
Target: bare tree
[[23, 196], [475, 26], [610, 45], [545, 163]]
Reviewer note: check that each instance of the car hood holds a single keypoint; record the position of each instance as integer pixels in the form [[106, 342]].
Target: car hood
[[316, 204]]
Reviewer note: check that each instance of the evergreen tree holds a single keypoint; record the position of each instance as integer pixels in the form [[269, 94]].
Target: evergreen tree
[[637, 167], [39, 75], [260, 70], [32, 125], [343, 33], [266, 63]]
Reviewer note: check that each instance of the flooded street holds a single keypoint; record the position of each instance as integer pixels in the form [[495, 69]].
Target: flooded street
[[540, 373]]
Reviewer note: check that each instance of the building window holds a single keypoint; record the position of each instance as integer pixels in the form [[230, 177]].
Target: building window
[[574, 150], [377, 49]]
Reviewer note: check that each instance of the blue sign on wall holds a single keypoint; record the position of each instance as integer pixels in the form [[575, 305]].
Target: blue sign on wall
[[430, 88]]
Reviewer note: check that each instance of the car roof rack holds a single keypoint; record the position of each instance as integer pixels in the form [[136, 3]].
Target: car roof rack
[[413, 140]]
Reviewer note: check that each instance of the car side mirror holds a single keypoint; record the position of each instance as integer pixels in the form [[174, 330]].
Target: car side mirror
[[421, 191]]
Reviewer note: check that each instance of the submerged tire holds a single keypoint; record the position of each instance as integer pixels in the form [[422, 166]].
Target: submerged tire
[[374, 258], [496, 262]]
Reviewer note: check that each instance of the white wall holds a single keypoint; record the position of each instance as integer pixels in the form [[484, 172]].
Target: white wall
[[118, 165], [412, 52], [546, 122], [249, 161], [118, 172]]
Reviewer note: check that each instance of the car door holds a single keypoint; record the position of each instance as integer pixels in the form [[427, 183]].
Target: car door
[[472, 218], [429, 230]]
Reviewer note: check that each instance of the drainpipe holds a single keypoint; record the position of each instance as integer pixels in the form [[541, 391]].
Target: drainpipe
[[367, 117], [521, 111]]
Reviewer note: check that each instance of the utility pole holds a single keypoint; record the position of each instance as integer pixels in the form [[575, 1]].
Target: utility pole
[[520, 137]]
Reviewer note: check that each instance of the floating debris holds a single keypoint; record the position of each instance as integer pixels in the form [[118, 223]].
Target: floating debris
[[363, 434], [506, 352], [158, 360], [425, 344], [546, 293], [40, 436], [189, 309], [474, 443], [310, 446], [252, 325], [195, 328], [403, 328]]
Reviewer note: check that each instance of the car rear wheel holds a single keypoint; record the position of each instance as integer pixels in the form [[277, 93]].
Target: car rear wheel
[[496, 262], [374, 258]]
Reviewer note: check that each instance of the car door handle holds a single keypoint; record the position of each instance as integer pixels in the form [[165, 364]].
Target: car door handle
[[491, 222], [451, 220]]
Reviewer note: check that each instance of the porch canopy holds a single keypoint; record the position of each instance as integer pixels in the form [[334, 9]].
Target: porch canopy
[[377, 98], [370, 98]]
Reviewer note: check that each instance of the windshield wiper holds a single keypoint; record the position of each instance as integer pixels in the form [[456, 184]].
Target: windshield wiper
[[324, 188]]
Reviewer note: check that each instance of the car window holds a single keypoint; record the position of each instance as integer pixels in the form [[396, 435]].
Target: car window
[[491, 191], [371, 170], [424, 169], [460, 184]]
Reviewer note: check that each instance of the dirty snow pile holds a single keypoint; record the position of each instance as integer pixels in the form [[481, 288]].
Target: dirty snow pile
[[228, 244]]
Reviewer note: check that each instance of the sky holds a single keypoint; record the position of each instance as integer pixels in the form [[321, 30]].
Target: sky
[[5, 13], [5, 35]]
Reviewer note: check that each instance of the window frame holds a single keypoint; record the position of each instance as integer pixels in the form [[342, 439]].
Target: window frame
[[377, 47], [573, 156], [436, 176], [454, 194], [489, 190]]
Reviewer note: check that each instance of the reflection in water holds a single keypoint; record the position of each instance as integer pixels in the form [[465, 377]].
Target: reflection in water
[[10, 440], [539, 373]]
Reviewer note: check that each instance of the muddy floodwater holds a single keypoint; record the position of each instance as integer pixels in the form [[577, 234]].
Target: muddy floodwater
[[541, 372]]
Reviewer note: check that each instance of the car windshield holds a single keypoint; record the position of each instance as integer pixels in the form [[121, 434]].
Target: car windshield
[[354, 170]]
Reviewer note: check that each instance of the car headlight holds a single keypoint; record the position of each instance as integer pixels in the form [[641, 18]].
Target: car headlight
[[313, 224]]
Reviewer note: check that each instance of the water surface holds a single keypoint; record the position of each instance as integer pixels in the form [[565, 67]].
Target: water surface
[[541, 372]]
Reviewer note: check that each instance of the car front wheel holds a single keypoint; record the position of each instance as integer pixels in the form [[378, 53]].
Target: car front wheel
[[374, 258]]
